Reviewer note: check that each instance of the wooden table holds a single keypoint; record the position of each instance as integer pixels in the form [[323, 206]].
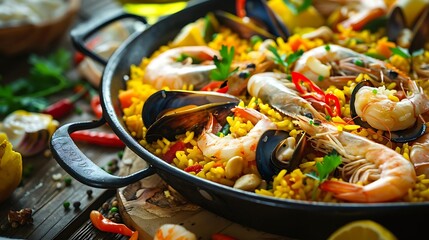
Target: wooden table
[[38, 190]]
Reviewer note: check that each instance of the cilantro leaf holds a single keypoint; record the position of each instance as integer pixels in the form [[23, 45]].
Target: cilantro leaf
[[283, 60], [223, 65], [330, 163]]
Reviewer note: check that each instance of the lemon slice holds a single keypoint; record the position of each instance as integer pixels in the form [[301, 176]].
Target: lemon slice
[[191, 35], [362, 229], [10, 168]]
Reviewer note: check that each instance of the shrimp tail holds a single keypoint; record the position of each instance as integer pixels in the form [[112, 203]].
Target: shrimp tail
[[344, 190]]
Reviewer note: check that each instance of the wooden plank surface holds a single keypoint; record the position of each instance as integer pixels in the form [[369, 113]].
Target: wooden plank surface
[[38, 190]]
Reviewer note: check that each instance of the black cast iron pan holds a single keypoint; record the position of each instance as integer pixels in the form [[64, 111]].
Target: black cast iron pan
[[291, 218]]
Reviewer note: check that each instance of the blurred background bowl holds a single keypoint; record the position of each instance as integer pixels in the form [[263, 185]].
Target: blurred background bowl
[[26, 37]]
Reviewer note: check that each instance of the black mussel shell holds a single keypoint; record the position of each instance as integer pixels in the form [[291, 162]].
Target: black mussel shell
[[194, 119], [269, 143], [353, 113], [395, 24], [163, 101]]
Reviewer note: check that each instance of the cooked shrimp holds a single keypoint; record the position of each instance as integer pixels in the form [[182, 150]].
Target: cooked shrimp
[[179, 66], [419, 155], [281, 96], [396, 174], [380, 109], [224, 148], [336, 65], [173, 232]]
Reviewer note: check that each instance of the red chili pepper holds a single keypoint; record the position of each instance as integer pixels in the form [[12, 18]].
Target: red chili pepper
[[221, 236], [336, 109], [64, 106], [212, 86], [298, 79], [317, 94], [96, 106], [171, 153], [106, 225], [194, 168], [241, 8], [99, 138]]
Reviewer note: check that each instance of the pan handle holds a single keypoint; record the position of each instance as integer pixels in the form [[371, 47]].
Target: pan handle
[[84, 31], [74, 162]]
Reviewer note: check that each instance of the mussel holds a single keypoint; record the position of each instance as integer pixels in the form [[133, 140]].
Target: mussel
[[185, 119], [400, 136], [277, 150], [408, 24], [260, 21], [163, 101]]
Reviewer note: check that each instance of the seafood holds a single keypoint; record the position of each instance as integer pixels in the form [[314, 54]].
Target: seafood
[[396, 174], [278, 150], [161, 102], [336, 65], [180, 66], [187, 118], [173, 232], [419, 154], [268, 87], [381, 109], [224, 148]]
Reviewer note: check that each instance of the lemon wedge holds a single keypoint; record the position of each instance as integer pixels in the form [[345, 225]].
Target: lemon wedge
[[191, 35], [362, 229], [10, 168]]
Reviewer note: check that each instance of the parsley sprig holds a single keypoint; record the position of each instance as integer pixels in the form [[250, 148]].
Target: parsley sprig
[[297, 8], [283, 60], [223, 65], [46, 77], [330, 162]]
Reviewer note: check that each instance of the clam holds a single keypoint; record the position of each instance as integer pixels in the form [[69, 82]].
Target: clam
[[277, 150], [163, 101], [188, 118], [260, 21], [400, 136]]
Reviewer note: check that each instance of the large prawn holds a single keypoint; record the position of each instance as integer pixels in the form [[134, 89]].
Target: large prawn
[[380, 109], [176, 67], [336, 65], [281, 95], [224, 148], [419, 155], [395, 175]]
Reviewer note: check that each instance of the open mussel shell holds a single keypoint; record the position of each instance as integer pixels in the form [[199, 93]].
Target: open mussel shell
[[400, 136], [260, 21], [188, 119], [269, 145], [421, 31], [395, 24], [163, 101], [259, 9]]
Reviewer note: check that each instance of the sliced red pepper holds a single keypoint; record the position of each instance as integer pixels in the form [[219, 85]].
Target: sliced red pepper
[[212, 86], [194, 168], [241, 8], [299, 80], [64, 106], [334, 110], [98, 138], [96, 106], [171, 153], [106, 225]]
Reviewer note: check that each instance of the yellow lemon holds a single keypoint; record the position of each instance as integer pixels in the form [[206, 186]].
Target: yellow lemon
[[10, 168], [362, 229], [191, 35]]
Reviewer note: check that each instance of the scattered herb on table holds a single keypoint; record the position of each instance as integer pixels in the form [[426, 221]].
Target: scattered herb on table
[[46, 77]]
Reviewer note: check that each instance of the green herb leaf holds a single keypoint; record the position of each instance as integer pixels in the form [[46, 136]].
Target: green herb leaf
[[400, 52], [223, 66], [330, 163], [295, 8], [283, 60]]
